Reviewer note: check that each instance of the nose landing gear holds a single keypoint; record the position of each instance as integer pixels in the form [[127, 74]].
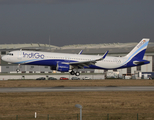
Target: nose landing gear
[[18, 68]]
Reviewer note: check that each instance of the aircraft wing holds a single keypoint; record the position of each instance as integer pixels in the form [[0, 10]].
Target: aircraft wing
[[87, 63]]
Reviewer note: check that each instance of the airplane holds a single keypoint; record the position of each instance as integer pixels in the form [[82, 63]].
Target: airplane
[[72, 62]]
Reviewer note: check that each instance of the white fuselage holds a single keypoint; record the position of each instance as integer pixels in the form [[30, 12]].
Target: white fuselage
[[26, 57]]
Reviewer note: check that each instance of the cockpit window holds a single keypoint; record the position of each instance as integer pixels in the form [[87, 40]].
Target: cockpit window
[[10, 54]]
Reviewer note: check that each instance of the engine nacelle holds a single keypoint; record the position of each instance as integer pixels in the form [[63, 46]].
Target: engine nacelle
[[63, 67]]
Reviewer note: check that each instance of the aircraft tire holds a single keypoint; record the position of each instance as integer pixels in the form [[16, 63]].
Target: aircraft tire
[[72, 72], [17, 70], [77, 73]]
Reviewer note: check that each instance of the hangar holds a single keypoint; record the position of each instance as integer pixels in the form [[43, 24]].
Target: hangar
[[115, 49]]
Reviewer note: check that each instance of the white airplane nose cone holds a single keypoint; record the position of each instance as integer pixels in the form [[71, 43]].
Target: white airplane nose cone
[[4, 58]]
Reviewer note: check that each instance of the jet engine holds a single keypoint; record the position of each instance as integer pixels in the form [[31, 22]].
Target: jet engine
[[62, 67]]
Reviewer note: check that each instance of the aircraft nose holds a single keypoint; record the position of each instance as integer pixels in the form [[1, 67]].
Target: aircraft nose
[[4, 58]]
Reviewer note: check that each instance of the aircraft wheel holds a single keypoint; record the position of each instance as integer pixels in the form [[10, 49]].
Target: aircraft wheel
[[17, 70], [77, 73], [72, 72]]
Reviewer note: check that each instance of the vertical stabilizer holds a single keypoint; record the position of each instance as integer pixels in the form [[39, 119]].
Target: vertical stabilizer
[[139, 50]]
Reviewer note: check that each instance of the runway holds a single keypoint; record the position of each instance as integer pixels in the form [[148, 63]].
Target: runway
[[76, 89]]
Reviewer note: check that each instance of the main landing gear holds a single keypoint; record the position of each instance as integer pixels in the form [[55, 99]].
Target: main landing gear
[[75, 73]]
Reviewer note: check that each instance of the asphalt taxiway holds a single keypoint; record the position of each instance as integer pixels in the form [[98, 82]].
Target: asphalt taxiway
[[76, 89]]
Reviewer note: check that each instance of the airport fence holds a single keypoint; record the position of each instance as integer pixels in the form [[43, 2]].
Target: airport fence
[[110, 116]]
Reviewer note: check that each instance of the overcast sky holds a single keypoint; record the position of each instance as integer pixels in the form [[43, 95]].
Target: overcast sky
[[76, 21]]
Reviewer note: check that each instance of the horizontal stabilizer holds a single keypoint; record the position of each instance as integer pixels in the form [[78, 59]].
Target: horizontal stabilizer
[[140, 62]]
